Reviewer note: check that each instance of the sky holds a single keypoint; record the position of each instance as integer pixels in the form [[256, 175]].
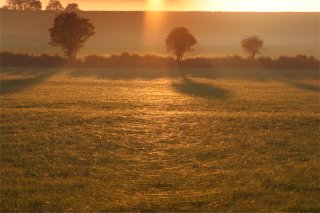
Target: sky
[[196, 5]]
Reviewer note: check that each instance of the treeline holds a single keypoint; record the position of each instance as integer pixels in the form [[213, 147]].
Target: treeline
[[53, 5], [134, 60], [9, 59]]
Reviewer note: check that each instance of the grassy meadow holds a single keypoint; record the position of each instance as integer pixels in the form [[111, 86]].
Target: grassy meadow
[[79, 140]]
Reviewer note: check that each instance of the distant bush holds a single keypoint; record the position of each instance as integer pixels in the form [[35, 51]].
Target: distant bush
[[128, 60], [9, 59], [299, 62], [134, 60], [220, 62]]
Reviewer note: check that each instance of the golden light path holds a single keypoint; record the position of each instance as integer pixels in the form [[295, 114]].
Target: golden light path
[[152, 21], [156, 5]]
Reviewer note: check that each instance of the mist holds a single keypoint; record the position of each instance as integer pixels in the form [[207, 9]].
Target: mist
[[218, 33]]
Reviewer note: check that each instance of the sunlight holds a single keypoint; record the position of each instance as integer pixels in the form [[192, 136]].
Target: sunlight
[[195, 5], [258, 5], [153, 20], [156, 5], [247, 5]]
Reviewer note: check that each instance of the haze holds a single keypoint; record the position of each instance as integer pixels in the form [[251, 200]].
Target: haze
[[195, 5], [218, 33]]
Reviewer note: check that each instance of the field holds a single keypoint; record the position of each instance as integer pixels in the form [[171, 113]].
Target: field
[[77, 140]]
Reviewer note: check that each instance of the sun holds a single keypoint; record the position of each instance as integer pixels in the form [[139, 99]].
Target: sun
[[156, 5]]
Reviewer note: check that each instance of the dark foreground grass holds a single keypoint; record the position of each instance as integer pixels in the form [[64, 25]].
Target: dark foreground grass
[[90, 144]]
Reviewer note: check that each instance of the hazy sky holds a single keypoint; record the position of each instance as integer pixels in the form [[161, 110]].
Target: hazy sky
[[196, 5]]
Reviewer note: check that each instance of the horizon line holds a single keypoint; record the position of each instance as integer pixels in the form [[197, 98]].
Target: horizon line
[[216, 11]]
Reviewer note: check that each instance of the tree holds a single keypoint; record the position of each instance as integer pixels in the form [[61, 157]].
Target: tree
[[33, 5], [72, 7], [252, 45], [4, 7], [14, 4], [70, 32], [23, 4], [54, 5], [180, 41]]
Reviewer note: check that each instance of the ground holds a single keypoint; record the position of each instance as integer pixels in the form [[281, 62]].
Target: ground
[[79, 140]]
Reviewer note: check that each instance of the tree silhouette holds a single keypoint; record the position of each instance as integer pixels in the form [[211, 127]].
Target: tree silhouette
[[33, 5], [252, 45], [70, 32], [14, 4], [54, 5], [72, 7], [4, 7], [180, 41], [23, 4]]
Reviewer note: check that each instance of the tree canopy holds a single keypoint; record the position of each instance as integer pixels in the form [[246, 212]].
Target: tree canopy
[[180, 41], [34, 5], [72, 7], [252, 45], [54, 5], [14, 4], [70, 32], [23, 5]]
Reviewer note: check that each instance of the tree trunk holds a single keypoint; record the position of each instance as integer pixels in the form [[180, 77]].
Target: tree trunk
[[253, 55], [179, 58]]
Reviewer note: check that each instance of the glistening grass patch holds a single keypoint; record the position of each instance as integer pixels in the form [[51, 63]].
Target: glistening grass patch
[[166, 144]]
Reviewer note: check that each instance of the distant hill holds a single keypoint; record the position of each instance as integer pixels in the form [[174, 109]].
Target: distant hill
[[218, 33]]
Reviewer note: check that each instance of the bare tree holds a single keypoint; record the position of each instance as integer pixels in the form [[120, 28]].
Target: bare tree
[[72, 7], [252, 45], [180, 41], [54, 5], [70, 32]]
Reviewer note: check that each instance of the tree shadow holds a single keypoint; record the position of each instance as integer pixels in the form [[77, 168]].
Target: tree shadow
[[305, 86], [202, 90], [126, 74], [17, 85], [261, 75]]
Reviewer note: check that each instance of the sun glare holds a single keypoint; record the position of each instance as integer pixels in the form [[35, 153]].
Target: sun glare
[[196, 5], [152, 21], [156, 5]]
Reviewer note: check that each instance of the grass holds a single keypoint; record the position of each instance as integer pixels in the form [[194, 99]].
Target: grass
[[217, 140]]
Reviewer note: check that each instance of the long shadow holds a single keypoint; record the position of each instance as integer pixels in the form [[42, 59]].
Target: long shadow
[[202, 90], [305, 86], [263, 75], [126, 74], [18, 85]]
